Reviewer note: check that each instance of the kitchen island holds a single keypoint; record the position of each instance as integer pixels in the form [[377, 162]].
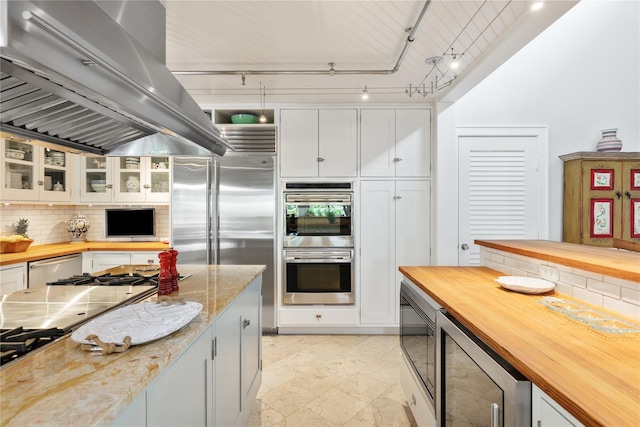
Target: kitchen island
[[62, 385], [594, 375]]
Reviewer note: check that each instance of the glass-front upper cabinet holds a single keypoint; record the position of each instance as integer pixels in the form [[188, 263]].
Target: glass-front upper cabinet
[[96, 179], [34, 173], [142, 179]]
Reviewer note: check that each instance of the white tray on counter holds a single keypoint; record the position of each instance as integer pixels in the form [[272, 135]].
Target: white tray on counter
[[144, 322], [525, 285]]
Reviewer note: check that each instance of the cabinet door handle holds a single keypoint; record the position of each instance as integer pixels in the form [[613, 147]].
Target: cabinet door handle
[[245, 323], [628, 194], [495, 415], [397, 159], [464, 246], [147, 186], [320, 159], [619, 194], [397, 197]]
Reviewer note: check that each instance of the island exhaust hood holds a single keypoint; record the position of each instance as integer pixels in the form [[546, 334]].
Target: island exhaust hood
[[71, 75]]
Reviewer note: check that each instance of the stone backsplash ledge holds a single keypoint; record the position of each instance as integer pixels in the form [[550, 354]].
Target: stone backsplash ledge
[[611, 293], [47, 223]]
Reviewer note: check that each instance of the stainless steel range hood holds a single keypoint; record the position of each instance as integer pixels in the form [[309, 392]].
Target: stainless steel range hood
[[71, 75]]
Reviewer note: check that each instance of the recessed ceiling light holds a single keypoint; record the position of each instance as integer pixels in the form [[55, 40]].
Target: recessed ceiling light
[[537, 5]]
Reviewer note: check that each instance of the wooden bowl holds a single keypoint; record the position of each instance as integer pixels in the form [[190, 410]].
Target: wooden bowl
[[11, 247]]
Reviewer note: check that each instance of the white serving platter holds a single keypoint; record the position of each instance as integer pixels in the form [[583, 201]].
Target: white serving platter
[[144, 322], [525, 285]]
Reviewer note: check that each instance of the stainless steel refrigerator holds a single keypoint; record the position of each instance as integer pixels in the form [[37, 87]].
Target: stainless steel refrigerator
[[223, 212]]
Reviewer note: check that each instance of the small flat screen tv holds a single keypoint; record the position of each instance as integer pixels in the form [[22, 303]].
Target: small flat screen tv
[[133, 223]]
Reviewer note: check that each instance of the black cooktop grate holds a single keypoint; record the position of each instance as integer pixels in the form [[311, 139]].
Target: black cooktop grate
[[17, 342], [125, 279]]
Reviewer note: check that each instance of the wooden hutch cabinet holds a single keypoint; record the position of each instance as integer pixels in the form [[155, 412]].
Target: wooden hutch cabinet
[[601, 198]]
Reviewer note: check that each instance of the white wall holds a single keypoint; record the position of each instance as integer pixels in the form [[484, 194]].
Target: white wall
[[579, 76]]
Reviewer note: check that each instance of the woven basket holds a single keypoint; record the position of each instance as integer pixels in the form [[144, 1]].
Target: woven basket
[[11, 247]]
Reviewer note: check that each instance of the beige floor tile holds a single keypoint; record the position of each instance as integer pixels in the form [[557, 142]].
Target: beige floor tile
[[331, 380]]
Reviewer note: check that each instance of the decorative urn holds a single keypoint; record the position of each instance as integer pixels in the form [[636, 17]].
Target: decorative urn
[[609, 141], [77, 227], [133, 184]]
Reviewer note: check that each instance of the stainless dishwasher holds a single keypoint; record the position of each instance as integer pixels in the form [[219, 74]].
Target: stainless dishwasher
[[52, 269]]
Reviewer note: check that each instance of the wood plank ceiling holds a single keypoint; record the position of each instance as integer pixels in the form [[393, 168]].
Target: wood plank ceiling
[[245, 37]]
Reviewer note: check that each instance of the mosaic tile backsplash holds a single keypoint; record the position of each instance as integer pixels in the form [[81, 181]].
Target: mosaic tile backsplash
[[47, 223]]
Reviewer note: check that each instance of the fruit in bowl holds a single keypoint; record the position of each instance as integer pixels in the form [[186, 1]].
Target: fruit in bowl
[[19, 241]]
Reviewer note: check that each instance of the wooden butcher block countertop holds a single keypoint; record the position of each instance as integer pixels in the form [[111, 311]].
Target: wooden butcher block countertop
[[594, 375], [622, 264], [38, 252]]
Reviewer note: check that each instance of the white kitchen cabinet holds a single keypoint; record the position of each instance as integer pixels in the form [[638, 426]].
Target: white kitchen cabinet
[[317, 315], [318, 143], [142, 179], [181, 395], [125, 179], [93, 261], [34, 173], [394, 231], [546, 412], [13, 278], [215, 381], [395, 143], [96, 179], [134, 415], [238, 357]]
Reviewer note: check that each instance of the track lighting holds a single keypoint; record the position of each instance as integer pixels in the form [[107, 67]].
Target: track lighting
[[365, 93]]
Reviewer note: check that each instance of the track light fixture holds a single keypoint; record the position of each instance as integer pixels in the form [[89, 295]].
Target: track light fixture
[[263, 96]]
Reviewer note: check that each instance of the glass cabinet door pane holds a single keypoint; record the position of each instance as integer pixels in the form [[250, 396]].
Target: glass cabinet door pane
[[19, 166]]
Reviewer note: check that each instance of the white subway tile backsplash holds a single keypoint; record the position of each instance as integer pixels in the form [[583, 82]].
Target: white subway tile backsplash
[[573, 279], [618, 295], [622, 307], [529, 267], [603, 288], [630, 295], [47, 224], [588, 296]]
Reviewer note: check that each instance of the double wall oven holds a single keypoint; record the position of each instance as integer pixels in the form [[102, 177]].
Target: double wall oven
[[318, 243]]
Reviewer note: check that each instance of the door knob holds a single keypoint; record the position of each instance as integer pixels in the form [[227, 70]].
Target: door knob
[[464, 246]]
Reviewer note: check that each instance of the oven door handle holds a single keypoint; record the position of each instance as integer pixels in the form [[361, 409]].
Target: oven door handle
[[318, 198], [318, 257]]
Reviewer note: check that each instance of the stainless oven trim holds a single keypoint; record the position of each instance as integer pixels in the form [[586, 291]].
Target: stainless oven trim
[[315, 256], [516, 387]]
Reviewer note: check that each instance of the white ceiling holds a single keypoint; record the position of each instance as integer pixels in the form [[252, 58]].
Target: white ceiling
[[247, 37]]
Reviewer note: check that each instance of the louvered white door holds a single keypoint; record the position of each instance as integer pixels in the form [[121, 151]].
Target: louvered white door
[[497, 191]]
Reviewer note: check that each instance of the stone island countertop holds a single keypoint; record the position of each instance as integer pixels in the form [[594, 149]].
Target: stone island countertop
[[593, 375], [62, 385], [38, 252]]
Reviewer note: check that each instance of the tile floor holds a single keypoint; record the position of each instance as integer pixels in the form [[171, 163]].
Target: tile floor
[[330, 380]]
